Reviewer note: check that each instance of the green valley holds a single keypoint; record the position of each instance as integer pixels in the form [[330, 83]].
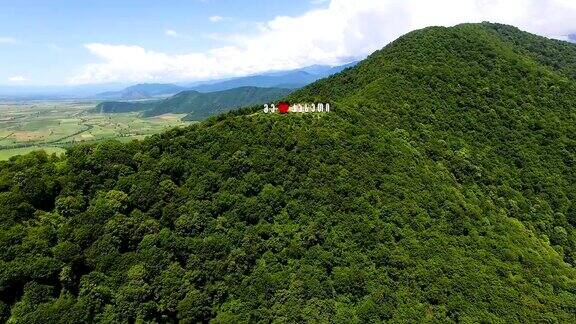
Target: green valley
[[56, 125]]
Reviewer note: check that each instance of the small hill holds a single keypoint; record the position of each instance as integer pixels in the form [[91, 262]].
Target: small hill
[[111, 107], [198, 105], [440, 188]]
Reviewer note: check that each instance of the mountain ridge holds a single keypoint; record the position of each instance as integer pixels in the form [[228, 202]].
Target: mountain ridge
[[290, 79], [197, 105], [142, 91]]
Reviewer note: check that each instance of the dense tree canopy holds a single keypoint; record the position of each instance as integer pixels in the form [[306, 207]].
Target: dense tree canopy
[[440, 187]]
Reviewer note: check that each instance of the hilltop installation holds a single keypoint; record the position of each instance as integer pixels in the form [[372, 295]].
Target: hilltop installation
[[284, 108]]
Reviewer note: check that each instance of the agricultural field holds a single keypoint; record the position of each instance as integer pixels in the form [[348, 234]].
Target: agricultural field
[[52, 126]]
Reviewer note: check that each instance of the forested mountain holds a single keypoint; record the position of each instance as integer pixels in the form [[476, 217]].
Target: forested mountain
[[557, 55], [197, 105], [440, 188]]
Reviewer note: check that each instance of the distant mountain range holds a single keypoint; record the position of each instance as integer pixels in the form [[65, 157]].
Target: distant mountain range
[[196, 104], [206, 99], [68, 92], [141, 91], [289, 80], [292, 79]]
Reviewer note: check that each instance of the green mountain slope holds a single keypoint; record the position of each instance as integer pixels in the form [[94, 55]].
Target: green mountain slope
[[439, 188], [507, 119], [198, 105], [557, 55]]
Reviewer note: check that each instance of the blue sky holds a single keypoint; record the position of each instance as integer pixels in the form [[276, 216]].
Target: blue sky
[[43, 40], [55, 42]]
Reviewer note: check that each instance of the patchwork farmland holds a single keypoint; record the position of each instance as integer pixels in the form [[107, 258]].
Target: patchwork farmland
[[52, 126]]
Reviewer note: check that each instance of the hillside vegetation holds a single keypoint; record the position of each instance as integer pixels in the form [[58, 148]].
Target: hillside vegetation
[[197, 105], [441, 187]]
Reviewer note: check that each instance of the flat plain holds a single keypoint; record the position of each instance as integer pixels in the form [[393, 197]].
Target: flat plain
[[53, 126]]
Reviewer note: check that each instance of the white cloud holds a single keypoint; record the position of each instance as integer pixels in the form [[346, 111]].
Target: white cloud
[[328, 35], [8, 40], [171, 33], [174, 34], [216, 18], [17, 79]]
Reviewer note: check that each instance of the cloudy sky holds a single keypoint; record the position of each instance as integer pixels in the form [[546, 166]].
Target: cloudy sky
[[52, 42]]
